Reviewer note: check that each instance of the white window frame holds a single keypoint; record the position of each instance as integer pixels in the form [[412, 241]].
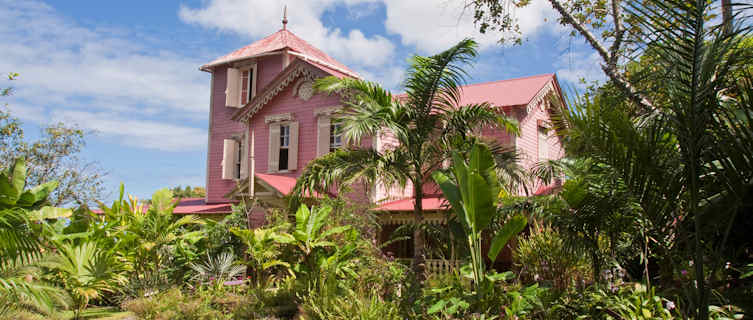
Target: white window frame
[[251, 86], [284, 144], [335, 134], [542, 146]]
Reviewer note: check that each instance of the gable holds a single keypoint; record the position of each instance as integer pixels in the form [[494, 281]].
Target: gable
[[294, 74]]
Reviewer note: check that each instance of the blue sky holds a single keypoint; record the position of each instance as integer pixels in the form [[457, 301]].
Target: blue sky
[[127, 71]]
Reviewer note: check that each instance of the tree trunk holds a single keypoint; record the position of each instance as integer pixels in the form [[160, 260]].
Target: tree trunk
[[419, 245], [727, 16]]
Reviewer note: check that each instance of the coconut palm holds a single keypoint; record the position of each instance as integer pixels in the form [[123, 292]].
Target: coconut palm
[[427, 121]]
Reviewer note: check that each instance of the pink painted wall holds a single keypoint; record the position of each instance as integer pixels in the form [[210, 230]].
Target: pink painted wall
[[526, 143], [221, 126]]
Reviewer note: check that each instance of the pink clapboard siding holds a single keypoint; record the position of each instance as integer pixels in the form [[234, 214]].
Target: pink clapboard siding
[[223, 127]]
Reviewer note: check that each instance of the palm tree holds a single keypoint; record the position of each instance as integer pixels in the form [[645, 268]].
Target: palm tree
[[427, 121], [697, 57]]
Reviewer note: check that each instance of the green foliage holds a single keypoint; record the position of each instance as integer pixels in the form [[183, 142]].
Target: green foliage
[[633, 301], [428, 123], [86, 271], [215, 270], [174, 304], [158, 245], [472, 192], [544, 257], [367, 305], [188, 192], [264, 248], [23, 215]]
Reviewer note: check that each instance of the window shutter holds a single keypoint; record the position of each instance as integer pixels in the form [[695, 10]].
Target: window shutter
[[229, 155], [233, 88], [543, 144], [322, 138], [293, 151], [274, 148], [244, 160]]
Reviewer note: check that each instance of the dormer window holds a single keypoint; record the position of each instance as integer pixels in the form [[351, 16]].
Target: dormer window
[[247, 85], [241, 85]]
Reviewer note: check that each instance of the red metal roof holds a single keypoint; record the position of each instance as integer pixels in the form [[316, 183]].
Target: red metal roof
[[430, 203], [509, 92], [199, 206], [283, 184], [281, 40], [504, 93], [545, 190], [193, 206]]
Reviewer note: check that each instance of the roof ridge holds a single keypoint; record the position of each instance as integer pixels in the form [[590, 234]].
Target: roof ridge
[[506, 80]]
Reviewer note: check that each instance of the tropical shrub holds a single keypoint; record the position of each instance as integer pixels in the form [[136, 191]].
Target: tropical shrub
[[543, 257], [629, 301], [472, 190], [86, 271], [158, 245], [215, 270], [175, 305], [263, 251], [23, 215], [366, 305]]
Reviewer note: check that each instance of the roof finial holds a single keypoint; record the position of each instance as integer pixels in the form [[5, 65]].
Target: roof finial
[[285, 17]]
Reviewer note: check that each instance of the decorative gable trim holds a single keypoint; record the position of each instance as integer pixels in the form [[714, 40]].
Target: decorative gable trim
[[296, 70], [539, 97]]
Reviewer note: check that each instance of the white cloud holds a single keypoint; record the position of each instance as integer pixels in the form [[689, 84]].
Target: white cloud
[[432, 26], [580, 66], [428, 25], [137, 133], [389, 78], [260, 18], [100, 79]]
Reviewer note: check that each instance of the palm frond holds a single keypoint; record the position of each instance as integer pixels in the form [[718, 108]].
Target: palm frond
[[434, 82], [345, 167]]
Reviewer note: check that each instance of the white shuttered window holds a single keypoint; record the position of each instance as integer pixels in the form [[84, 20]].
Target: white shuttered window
[[543, 144], [233, 88], [230, 159], [283, 147]]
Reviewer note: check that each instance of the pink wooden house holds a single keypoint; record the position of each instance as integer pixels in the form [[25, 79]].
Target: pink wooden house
[[266, 123]]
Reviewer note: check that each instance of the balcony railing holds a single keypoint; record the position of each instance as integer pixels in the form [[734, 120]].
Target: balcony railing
[[437, 266]]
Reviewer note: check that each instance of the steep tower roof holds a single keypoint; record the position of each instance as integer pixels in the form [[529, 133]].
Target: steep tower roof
[[275, 43]]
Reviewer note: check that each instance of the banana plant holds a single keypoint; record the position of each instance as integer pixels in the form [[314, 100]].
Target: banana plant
[[471, 187], [315, 244], [309, 224], [263, 248]]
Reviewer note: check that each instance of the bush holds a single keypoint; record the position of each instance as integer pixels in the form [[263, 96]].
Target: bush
[[543, 257], [261, 303], [352, 305], [629, 301], [173, 304]]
